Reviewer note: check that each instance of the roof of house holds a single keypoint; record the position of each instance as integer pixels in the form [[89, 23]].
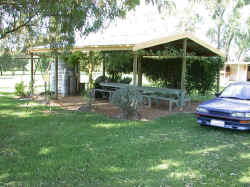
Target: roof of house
[[194, 45]]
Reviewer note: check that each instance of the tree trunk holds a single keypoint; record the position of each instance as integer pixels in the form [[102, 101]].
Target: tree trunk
[[218, 67], [228, 44]]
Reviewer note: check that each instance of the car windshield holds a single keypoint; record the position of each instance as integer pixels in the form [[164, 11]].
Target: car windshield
[[238, 91]]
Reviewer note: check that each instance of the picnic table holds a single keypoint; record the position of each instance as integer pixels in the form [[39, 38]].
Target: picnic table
[[173, 96]]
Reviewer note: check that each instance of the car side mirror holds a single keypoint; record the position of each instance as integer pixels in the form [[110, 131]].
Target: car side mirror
[[217, 94]]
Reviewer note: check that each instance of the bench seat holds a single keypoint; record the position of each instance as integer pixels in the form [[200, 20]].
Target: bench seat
[[110, 92], [170, 100]]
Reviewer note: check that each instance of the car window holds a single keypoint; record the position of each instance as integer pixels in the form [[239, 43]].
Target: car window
[[246, 92], [237, 91]]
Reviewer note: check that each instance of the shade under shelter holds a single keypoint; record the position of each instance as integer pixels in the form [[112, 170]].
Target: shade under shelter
[[188, 44]]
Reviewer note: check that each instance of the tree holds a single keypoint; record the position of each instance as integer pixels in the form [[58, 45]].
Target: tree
[[189, 20], [118, 62], [56, 22], [5, 60], [226, 16], [65, 17], [242, 39]]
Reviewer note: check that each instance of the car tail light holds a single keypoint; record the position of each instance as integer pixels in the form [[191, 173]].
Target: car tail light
[[244, 122]]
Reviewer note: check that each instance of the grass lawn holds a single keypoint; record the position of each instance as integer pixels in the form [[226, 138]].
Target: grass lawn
[[85, 149]]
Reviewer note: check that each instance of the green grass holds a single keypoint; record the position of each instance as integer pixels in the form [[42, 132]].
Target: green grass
[[201, 98], [85, 149]]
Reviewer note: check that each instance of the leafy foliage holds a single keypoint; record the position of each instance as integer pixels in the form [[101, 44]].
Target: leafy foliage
[[73, 58], [201, 75], [128, 100], [10, 61], [57, 22], [20, 89], [230, 28], [118, 62], [5, 61], [162, 72]]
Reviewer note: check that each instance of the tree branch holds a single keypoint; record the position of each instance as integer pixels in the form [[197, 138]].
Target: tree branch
[[25, 24]]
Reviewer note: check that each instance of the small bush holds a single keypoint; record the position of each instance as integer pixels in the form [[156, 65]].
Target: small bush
[[20, 89], [128, 100]]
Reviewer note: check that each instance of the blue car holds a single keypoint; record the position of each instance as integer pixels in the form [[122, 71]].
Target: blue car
[[230, 109]]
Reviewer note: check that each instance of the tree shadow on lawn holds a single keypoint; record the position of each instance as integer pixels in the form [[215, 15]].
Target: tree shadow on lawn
[[85, 149]]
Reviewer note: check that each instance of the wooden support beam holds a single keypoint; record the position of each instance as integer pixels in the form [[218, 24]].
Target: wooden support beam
[[140, 71], [218, 78], [31, 73], [91, 70], [184, 61], [103, 65], [135, 70], [56, 68]]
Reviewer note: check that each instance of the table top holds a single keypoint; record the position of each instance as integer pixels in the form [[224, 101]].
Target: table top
[[115, 85], [143, 88]]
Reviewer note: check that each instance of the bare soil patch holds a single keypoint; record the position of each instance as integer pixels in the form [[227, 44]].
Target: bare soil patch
[[102, 106]]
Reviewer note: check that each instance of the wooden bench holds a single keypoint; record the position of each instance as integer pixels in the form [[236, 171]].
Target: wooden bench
[[175, 96], [109, 88], [171, 95]]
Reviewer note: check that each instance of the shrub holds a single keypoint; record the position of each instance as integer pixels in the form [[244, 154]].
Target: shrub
[[201, 75], [128, 100], [20, 89]]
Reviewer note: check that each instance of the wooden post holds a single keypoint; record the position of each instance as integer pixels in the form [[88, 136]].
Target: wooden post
[[135, 70], [32, 74], [103, 65], [91, 69], [56, 68], [218, 78], [184, 59], [140, 71]]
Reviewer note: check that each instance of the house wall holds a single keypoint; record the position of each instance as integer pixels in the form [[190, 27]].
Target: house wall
[[233, 75], [66, 79]]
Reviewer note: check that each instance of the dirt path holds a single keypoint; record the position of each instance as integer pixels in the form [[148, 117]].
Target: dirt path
[[104, 107]]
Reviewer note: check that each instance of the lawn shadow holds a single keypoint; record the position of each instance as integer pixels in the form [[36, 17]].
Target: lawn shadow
[[69, 148]]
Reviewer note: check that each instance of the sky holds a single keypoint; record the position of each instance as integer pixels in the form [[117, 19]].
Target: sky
[[146, 23], [142, 24]]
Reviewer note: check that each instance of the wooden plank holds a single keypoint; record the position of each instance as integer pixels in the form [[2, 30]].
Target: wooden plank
[[184, 59], [87, 48]]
